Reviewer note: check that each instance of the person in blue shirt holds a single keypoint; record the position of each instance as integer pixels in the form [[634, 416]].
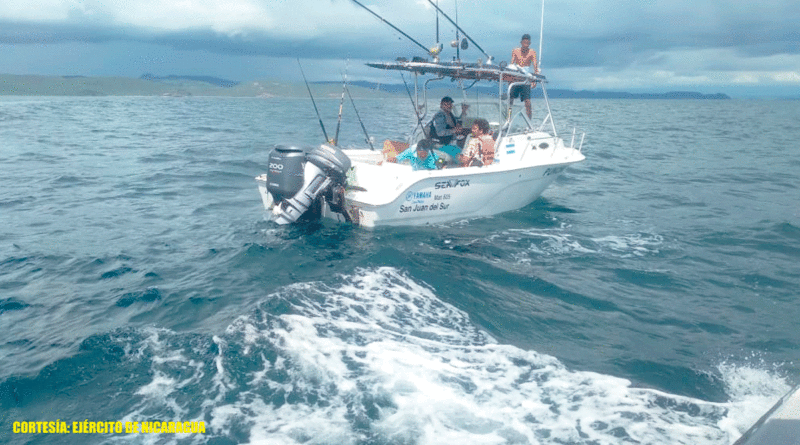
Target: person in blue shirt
[[419, 157]]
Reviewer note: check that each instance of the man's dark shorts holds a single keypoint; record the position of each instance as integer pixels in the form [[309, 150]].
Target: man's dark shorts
[[521, 91]]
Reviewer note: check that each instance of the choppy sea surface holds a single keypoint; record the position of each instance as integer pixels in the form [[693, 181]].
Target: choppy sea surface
[[650, 296]]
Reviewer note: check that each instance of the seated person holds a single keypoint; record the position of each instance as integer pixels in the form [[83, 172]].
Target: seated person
[[419, 156], [445, 128], [480, 150]]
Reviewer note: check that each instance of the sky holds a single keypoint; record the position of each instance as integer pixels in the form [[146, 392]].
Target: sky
[[741, 48]]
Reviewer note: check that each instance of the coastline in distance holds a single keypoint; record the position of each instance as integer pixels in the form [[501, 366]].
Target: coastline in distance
[[180, 86]]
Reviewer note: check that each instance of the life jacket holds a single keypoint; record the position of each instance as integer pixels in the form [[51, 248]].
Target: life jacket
[[485, 154], [487, 149], [430, 129]]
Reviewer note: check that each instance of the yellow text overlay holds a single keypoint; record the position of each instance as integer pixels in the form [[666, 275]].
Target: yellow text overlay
[[109, 427]]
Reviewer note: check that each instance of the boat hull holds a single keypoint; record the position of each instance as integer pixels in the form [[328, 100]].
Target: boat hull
[[443, 196], [779, 426], [388, 194]]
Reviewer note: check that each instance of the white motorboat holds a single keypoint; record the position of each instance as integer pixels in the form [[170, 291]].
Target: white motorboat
[[780, 425], [369, 192], [363, 188]]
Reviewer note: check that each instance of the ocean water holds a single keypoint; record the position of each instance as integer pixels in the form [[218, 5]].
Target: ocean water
[[650, 296]]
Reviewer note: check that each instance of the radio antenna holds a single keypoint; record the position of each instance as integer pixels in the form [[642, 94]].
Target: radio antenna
[[541, 32]]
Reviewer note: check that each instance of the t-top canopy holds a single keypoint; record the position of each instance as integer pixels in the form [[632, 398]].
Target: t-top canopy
[[459, 70]]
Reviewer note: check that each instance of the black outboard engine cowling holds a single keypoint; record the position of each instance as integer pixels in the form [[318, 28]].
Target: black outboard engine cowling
[[285, 175], [295, 184], [331, 160]]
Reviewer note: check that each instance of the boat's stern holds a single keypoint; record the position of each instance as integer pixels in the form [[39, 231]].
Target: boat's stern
[[266, 196], [299, 181]]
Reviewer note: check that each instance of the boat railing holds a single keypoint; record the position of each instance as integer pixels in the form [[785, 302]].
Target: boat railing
[[425, 96], [511, 117], [511, 123], [549, 115], [508, 128], [572, 141]]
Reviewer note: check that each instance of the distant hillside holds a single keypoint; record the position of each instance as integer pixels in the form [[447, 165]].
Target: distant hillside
[[556, 93], [207, 79], [569, 94], [174, 85]]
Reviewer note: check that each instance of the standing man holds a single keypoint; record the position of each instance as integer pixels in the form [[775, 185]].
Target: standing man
[[524, 56]]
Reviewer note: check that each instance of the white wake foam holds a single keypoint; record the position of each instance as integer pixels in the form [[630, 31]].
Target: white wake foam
[[379, 359]]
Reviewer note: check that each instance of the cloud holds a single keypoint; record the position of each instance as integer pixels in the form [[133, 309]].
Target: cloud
[[150, 15], [591, 32], [613, 42]]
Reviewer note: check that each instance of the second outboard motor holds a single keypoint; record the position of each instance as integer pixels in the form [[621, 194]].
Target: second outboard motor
[[324, 168]]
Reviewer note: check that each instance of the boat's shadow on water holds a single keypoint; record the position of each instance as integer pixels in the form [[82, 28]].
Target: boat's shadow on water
[[539, 213], [306, 248]]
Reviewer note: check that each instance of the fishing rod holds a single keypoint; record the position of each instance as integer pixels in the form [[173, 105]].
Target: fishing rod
[[419, 119], [488, 57], [394, 27], [458, 38], [363, 128], [341, 103], [325, 133]]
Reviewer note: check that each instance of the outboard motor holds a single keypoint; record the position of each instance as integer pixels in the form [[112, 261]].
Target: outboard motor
[[285, 175], [297, 177]]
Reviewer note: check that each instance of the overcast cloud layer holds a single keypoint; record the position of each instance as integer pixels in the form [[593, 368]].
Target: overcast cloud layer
[[589, 44]]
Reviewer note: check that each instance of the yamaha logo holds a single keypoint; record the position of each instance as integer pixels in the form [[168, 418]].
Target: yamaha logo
[[410, 196]]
